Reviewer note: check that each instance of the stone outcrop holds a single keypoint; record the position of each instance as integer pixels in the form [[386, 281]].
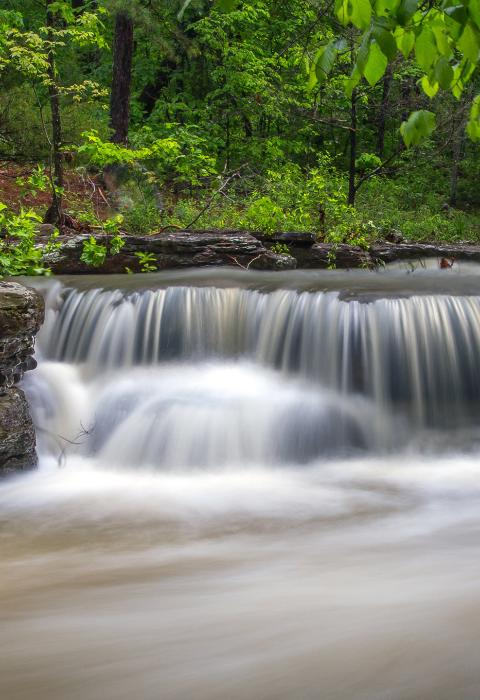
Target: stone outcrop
[[386, 252], [17, 433], [324, 255], [21, 315], [173, 250], [181, 249]]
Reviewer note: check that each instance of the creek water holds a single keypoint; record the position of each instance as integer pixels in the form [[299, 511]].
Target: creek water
[[250, 486]]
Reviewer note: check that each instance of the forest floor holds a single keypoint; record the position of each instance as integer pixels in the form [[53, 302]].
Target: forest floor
[[88, 201], [83, 192]]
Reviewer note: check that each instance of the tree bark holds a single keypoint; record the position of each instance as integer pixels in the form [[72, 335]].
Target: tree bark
[[122, 77], [54, 214]]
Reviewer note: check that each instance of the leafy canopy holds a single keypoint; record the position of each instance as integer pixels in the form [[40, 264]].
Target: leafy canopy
[[443, 38]]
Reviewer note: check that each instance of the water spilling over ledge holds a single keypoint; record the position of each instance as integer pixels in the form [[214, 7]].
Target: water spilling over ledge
[[248, 488], [417, 354]]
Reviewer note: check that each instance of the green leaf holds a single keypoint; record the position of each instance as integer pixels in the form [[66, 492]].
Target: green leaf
[[312, 78], [474, 11], [363, 53], [469, 42], [430, 89], [406, 11], [426, 49], [418, 127], [473, 126], [356, 12], [386, 42], [443, 73], [457, 13], [376, 65], [324, 61], [386, 8], [462, 73], [442, 39], [405, 41], [352, 82]]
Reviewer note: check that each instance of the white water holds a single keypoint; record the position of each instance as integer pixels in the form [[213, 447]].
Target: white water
[[228, 524]]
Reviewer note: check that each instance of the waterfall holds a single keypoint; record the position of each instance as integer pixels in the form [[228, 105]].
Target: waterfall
[[416, 356], [206, 377], [242, 484]]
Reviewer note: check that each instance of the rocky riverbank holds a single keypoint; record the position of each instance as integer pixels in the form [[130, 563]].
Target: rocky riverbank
[[21, 315], [181, 249]]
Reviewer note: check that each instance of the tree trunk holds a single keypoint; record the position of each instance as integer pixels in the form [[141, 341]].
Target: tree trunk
[[353, 150], [384, 109], [122, 77], [459, 138], [54, 214]]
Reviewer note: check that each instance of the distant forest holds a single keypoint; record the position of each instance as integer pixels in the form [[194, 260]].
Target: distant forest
[[352, 120]]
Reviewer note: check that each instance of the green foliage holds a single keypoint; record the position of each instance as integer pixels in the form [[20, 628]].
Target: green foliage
[[179, 157], [19, 252], [367, 162], [280, 249], [264, 215], [444, 38], [143, 217], [147, 262], [418, 127], [94, 253], [473, 126], [37, 181], [257, 96]]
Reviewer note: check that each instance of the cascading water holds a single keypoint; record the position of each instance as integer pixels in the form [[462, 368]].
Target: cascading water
[[248, 492], [418, 354]]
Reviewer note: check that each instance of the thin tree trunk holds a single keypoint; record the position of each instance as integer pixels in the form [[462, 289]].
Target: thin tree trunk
[[353, 150], [55, 214], [384, 109], [459, 138], [122, 77]]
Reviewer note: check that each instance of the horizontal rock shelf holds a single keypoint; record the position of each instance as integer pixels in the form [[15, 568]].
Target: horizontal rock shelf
[[173, 250], [181, 249]]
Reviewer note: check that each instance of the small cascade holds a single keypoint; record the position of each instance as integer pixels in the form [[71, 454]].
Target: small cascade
[[201, 416], [415, 356]]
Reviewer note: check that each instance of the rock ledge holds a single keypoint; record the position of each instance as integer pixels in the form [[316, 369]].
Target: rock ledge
[[21, 315]]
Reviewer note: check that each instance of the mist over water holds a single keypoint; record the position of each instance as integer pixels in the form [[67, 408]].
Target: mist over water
[[247, 493]]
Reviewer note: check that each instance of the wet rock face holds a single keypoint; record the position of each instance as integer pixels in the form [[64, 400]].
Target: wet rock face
[[180, 249], [21, 315], [17, 433], [173, 250]]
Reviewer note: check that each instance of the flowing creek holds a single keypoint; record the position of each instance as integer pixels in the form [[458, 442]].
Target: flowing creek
[[251, 485]]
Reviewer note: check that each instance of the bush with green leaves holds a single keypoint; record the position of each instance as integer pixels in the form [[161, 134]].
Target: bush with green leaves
[[20, 253], [178, 155]]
